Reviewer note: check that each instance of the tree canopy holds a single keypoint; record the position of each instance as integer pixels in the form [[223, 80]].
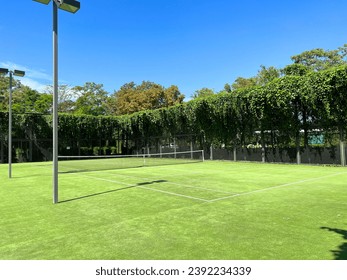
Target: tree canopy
[[320, 59], [204, 92], [93, 99], [146, 96]]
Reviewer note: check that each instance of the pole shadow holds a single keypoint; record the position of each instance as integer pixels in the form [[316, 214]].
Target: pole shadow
[[341, 253], [111, 191]]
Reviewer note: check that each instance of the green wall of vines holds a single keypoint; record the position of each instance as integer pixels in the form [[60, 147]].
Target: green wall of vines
[[286, 105]]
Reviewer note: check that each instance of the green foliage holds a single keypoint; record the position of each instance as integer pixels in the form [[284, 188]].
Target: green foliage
[[295, 69], [66, 98], [133, 98], [204, 92], [241, 82], [319, 59], [92, 99], [284, 106], [264, 76], [24, 99]]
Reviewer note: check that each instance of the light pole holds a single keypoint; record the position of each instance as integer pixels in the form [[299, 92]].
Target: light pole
[[71, 6], [20, 74], [1, 151]]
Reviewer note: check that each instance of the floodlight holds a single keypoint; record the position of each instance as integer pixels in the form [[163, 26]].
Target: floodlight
[[71, 6], [19, 73], [43, 1], [3, 71]]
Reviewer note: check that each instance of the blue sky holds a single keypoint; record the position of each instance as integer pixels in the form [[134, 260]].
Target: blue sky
[[188, 43]]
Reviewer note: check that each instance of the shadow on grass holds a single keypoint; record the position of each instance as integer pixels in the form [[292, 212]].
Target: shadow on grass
[[341, 253], [115, 190]]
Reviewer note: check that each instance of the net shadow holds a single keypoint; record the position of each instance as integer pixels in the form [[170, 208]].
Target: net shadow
[[111, 191]]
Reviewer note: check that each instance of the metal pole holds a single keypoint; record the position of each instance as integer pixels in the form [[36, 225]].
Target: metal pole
[[10, 130], [55, 102], [342, 148]]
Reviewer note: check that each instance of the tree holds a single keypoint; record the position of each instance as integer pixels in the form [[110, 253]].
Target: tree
[[66, 98], [227, 88], [320, 59], [43, 103], [244, 83], [4, 90], [172, 96], [266, 75], [132, 98], [92, 99], [204, 92], [295, 69], [27, 100], [24, 99]]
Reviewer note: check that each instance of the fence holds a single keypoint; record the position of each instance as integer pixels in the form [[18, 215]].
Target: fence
[[325, 150]]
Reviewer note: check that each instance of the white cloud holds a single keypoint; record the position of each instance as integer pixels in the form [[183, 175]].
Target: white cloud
[[33, 84], [36, 79], [31, 73]]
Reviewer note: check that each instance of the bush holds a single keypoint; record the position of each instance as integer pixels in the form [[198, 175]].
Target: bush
[[20, 155], [113, 150], [96, 151], [86, 151], [106, 150]]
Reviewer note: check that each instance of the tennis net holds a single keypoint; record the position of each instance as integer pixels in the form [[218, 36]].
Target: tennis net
[[70, 164]]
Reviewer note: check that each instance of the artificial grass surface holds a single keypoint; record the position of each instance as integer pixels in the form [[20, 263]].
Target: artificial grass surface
[[210, 210]]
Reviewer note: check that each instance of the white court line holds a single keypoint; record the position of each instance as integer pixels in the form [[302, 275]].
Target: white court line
[[142, 187], [275, 187], [176, 194], [194, 187]]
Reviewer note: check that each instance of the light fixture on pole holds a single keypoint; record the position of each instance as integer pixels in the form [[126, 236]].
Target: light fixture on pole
[[71, 6], [3, 71], [18, 73]]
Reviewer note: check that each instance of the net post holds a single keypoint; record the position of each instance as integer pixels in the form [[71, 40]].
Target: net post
[[174, 140], [203, 155]]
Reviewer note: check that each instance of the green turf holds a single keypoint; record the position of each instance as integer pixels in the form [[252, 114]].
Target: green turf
[[209, 210]]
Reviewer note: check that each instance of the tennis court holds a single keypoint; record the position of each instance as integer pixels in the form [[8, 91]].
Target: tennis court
[[181, 210]]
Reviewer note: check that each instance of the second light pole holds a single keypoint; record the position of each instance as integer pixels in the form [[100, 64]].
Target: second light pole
[[20, 74]]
